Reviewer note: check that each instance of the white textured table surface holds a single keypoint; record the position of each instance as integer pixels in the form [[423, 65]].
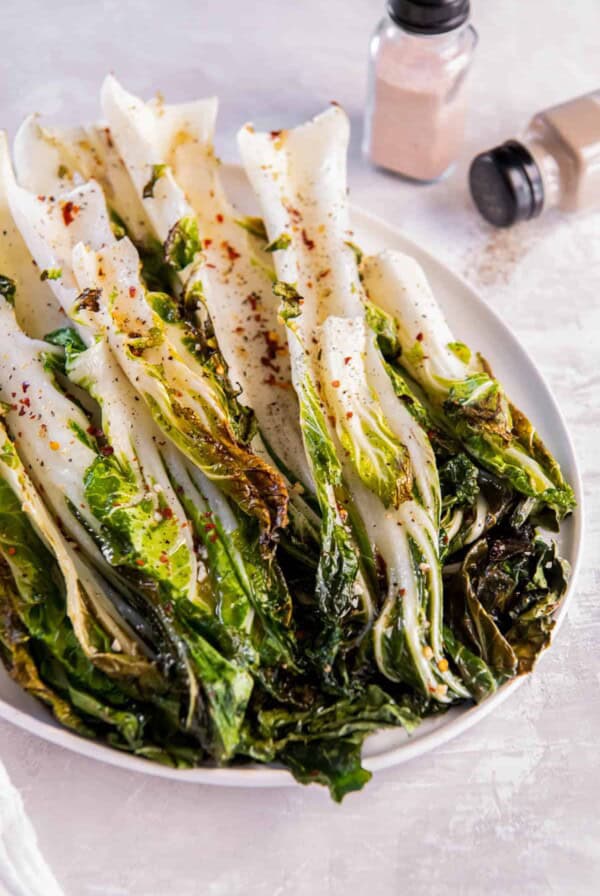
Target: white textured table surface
[[512, 806]]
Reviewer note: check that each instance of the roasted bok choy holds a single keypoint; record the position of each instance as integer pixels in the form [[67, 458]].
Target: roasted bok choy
[[256, 500]]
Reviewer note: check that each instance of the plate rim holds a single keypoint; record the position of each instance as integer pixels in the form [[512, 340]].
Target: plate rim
[[255, 776]]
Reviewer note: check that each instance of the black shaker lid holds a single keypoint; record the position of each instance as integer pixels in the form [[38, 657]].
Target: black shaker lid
[[429, 16], [506, 184]]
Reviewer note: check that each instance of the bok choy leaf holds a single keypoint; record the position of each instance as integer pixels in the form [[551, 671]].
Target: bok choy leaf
[[459, 384], [182, 399], [502, 599], [346, 563], [65, 638], [104, 500], [226, 276]]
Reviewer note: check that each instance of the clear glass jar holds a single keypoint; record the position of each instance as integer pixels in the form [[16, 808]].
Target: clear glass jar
[[554, 164], [415, 115]]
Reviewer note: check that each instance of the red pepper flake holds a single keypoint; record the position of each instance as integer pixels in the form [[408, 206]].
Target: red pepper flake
[[132, 291], [323, 273], [166, 513], [12, 551], [349, 415], [294, 214], [419, 337], [208, 527], [402, 592], [140, 561], [267, 362], [69, 212], [347, 359], [272, 341], [335, 384], [240, 330], [253, 299], [310, 244], [231, 252], [220, 218], [275, 134], [25, 386], [41, 198], [207, 244], [163, 558], [107, 450]]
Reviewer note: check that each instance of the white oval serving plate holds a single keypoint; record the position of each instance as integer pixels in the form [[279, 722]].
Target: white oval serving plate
[[478, 325]]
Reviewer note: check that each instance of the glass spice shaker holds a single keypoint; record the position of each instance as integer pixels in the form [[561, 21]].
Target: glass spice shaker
[[555, 164], [420, 55]]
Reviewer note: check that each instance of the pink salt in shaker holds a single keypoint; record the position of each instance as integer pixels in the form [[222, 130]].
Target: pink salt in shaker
[[420, 56]]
